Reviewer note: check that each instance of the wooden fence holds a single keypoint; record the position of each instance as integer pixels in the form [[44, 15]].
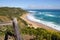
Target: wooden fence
[[16, 34]]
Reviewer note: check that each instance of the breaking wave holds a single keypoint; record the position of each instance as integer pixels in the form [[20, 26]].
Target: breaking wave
[[50, 24]]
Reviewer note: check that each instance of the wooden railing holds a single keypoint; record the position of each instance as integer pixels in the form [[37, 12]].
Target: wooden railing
[[16, 34]]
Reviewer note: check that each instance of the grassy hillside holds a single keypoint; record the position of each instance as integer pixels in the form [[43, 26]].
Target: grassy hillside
[[11, 12], [6, 14]]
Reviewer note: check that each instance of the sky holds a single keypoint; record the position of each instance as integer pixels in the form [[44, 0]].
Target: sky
[[31, 4]]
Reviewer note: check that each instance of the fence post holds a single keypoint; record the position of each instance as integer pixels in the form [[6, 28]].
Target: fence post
[[6, 36], [15, 26]]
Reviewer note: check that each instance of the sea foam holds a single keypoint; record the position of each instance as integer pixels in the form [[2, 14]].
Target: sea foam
[[50, 15], [50, 24]]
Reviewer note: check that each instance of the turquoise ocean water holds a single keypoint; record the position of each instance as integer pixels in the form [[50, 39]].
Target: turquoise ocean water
[[50, 18]]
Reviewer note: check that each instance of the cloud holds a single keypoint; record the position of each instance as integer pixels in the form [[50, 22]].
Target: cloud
[[44, 6]]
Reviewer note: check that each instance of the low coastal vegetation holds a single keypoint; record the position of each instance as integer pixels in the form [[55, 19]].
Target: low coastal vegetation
[[41, 34], [6, 14]]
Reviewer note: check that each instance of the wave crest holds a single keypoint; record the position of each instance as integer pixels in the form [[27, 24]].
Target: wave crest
[[50, 15]]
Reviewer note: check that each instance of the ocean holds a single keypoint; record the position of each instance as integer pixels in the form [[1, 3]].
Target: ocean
[[49, 18]]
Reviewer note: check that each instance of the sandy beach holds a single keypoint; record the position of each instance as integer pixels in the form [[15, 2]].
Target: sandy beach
[[35, 24]]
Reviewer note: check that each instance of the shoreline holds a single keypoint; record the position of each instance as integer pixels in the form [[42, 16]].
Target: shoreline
[[36, 24]]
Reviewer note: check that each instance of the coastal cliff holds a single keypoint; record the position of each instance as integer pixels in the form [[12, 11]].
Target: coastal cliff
[[6, 15]]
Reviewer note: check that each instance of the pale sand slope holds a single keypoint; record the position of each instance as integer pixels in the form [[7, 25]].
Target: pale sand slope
[[35, 24]]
